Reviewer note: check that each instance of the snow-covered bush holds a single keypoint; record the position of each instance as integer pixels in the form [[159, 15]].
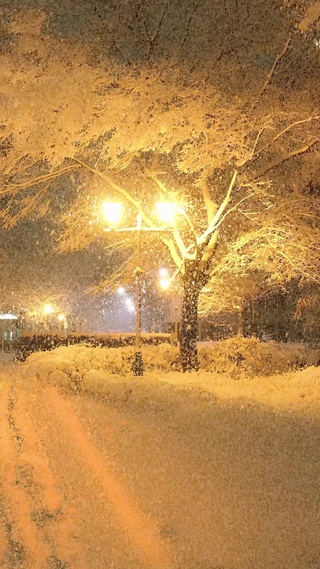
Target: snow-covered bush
[[234, 357]]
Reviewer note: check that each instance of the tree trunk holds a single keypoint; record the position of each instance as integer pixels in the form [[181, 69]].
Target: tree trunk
[[189, 324]]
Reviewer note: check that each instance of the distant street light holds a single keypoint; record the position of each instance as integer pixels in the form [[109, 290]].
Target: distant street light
[[112, 213], [47, 309], [129, 303], [63, 320], [165, 283]]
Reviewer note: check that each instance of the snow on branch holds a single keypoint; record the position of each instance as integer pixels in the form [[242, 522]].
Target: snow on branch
[[212, 226]]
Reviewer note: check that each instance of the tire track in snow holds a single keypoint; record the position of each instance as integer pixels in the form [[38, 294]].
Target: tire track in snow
[[141, 530], [52, 513], [25, 544]]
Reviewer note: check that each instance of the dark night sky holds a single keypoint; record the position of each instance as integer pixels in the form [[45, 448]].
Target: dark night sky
[[29, 265]]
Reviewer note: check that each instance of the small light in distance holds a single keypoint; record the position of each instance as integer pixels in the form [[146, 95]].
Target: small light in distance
[[61, 317], [120, 290], [165, 283], [130, 305], [47, 309], [163, 273]]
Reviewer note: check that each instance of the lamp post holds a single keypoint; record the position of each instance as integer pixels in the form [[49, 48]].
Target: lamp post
[[112, 213], [137, 365]]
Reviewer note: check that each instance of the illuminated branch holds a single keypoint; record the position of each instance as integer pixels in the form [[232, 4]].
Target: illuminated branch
[[120, 190], [177, 236], [280, 161], [180, 244], [210, 205], [261, 131], [211, 228], [254, 155], [303, 121], [35, 181], [290, 261], [173, 251], [209, 250]]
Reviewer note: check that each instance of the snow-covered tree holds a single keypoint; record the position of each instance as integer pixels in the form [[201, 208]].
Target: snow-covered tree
[[213, 106]]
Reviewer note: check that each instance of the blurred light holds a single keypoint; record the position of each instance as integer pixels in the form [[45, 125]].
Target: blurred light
[[8, 317], [47, 309], [112, 212], [120, 290], [130, 305], [166, 211], [61, 317], [163, 273], [165, 283]]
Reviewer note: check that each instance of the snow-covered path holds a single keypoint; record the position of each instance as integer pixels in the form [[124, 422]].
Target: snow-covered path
[[148, 478]]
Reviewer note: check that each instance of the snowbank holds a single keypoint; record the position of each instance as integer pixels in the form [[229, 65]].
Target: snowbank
[[232, 370]]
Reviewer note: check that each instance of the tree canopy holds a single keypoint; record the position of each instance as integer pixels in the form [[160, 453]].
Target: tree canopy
[[216, 106]]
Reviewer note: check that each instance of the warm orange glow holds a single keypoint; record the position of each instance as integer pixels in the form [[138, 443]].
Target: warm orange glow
[[164, 283], [112, 212], [61, 317], [163, 272], [47, 309], [166, 211]]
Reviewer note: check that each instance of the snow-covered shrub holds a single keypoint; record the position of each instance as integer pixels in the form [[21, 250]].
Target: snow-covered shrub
[[234, 357]]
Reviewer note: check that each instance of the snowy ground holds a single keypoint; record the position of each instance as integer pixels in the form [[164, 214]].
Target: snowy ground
[[206, 470]]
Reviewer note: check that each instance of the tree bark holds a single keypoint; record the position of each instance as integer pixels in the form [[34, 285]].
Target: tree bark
[[189, 321]]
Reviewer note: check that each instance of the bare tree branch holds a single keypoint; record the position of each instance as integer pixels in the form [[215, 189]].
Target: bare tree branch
[[280, 161], [271, 72], [209, 203], [12, 186], [303, 121], [195, 6]]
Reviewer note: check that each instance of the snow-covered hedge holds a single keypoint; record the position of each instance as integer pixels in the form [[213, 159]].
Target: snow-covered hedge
[[254, 357], [43, 342], [234, 357]]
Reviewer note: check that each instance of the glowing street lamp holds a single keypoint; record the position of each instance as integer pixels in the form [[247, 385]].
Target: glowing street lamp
[[166, 211], [47, 309], [112, 213], [164, 283], [129, 304]]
